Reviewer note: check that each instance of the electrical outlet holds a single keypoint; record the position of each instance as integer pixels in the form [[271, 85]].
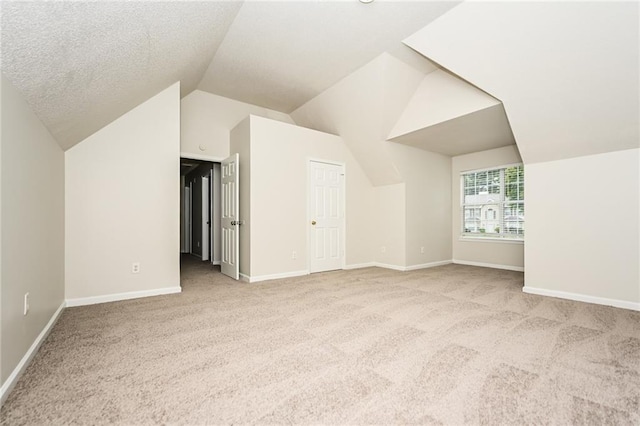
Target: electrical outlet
[[135, 268], [422, 250], [383, 249], [26, 303], [294, 255]]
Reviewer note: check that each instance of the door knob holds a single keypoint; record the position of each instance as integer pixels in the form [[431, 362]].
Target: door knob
[[313, 222]]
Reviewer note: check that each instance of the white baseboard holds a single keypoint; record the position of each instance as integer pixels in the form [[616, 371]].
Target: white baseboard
[[259, 278], [389, 266], [245, 278], [411, 267], [216, 262], [489, 265], [359, 266], [428, 265], [82, 301], [11, 381], [635, 306]]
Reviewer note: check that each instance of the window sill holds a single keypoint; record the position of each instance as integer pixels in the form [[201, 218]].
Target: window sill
[[489, 240]]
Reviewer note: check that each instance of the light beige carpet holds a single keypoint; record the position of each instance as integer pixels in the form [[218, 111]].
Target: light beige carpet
[[447, 345]]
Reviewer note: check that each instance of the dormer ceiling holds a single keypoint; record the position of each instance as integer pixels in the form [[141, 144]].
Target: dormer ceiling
[[450, 116], [80, 65]]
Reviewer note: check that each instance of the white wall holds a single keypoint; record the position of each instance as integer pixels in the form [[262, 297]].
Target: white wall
[[498, 253], [583, 228], [207, 119], [389, 233], [277, 220], [122, 203], [427, 211], [32, 215]]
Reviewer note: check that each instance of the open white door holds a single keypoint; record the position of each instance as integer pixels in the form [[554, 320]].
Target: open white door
[[205, 218], [326, 216], [230, 264]]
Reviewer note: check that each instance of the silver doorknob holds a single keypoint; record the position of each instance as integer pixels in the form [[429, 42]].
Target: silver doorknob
[[313, 222]]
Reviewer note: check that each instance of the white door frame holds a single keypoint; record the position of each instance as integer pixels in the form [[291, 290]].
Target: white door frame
[[214, 234], [211, 216], [343, 239], [206, 202], [191, 218], [187, 219], [216, 203], [189, 156]]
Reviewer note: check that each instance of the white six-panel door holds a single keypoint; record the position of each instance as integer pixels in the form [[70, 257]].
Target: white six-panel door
[[230, 264], [326, 216]]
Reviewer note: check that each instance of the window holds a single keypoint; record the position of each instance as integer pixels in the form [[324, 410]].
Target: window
[[493, 203]]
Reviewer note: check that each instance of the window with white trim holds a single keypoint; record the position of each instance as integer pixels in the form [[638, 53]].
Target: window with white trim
[[492, 203]]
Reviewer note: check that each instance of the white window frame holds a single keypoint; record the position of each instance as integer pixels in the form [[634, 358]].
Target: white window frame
[[490, 236]]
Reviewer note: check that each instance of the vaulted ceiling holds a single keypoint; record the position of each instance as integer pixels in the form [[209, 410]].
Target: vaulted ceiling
[[80, 65]]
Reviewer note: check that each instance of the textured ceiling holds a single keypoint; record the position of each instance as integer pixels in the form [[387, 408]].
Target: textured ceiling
[[80, 65], [279, 55]]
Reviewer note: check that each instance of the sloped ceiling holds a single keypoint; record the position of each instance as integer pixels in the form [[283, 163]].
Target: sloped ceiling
[[279, 55], [479, 130], [567, 72], [80, 65], [362, 108], [440, 97], [449, 116]]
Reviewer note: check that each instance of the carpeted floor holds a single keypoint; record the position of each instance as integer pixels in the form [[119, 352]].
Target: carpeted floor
[[447, 345]]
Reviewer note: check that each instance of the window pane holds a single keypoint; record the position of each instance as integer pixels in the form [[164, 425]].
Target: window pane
[[494, 177], [514, 218], [521, 191], [482, 182], [471, 219], [470, 180], [511, 192]]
